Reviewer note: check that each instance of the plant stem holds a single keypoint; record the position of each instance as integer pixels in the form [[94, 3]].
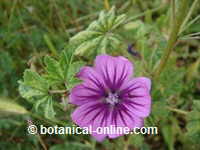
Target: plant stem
[[177, 110], [57, 91], [106, 4], [173, 37], [42, 142], [173, 5], [126, 144]]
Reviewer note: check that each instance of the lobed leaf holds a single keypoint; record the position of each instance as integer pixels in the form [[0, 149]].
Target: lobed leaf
[[99, 36], [34, 80]]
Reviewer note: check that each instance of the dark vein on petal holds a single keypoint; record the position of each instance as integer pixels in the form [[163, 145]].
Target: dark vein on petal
[[121, 116], [126, 110]]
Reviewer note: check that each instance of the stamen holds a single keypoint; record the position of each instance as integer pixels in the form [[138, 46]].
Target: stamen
[[112, 98]]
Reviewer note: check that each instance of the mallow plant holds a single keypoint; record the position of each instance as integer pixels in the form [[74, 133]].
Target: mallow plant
[[96, 82]]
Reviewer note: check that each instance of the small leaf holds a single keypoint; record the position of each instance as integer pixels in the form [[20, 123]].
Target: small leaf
[[49, 110], [33, 85], [40, 101], [71, 76], [27, 92], [119, 21], [112, 16], [92, 44], [65, 60], [9, 107], [72, 82], [53, 69], [94, 26], [84, 36], [34, 80], [74, 69], [34, 88]]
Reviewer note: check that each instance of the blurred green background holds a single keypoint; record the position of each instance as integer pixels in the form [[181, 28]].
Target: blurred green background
[[29, 29]]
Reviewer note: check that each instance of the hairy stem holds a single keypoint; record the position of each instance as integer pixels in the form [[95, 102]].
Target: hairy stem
[[173, 37], [177, 110], [57, 91]]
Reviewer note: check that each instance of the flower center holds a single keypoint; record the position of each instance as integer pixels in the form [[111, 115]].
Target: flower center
[[112, 98]]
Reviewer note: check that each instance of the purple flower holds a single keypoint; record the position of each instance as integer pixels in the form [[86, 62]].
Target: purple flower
[[109, 96]]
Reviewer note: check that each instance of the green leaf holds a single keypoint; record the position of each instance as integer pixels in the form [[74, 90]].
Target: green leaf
[[99, 36], [73, 82], [40, 101], [84, 36], [34, 94], [49, 110], [118, 21], [168, 136], [53, 69], [71, 75], [74, 68], [33, 85], [66, 58], [9, 107], [193, 125], [35, 89], [28, 92], [34, 80], [87, 45]]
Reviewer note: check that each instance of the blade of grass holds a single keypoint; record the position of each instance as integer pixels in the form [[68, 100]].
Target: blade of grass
[[194, 4], [191, 22], [50, 45]]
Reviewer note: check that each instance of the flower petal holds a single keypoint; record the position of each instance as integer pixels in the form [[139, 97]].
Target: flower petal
[[79, 115], [139, 106], [125, 120], [92, 114], [82, 94], [136, 96], [91, 77], [115, 70], [137, 83], [92, 89], [99, 123]]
